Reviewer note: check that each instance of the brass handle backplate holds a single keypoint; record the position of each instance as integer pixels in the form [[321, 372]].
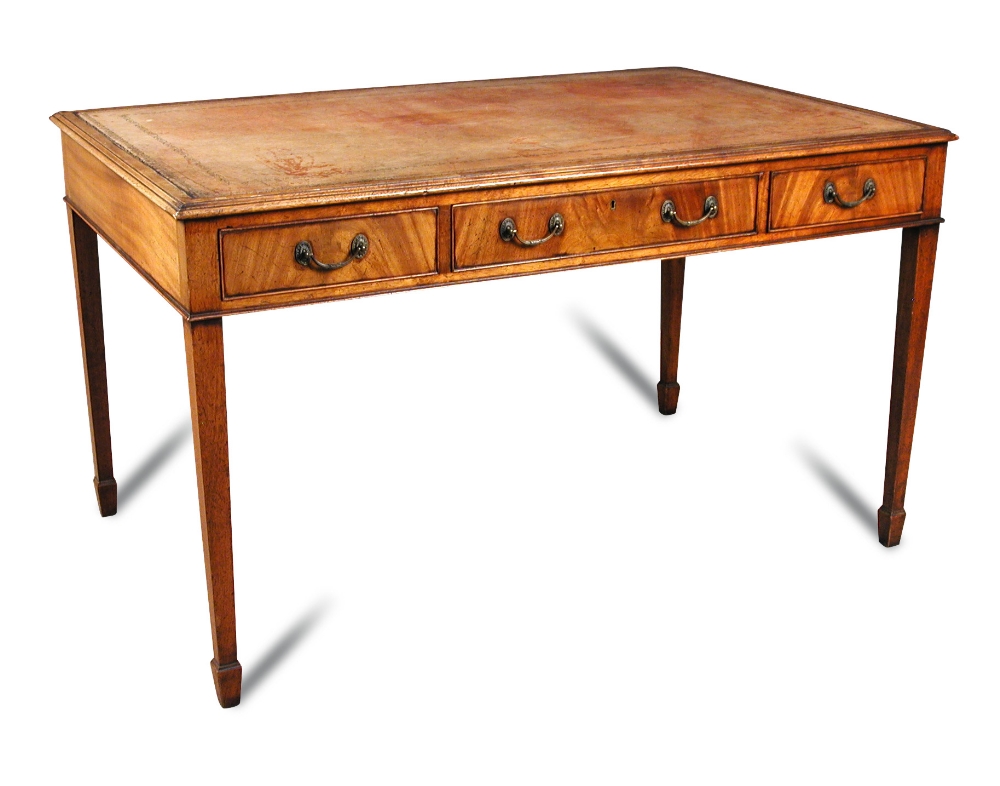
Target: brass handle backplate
[[304, 253], [831, 197], [668, 212], [508, 231]]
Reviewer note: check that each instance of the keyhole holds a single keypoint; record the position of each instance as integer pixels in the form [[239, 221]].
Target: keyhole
[[612, 204]]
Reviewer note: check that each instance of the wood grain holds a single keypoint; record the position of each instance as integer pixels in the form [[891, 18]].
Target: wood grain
[[934, 180], [208, 199], [916, 275], [201, 245], [260, 260], [671, 298], [605, 220], [316, 148], [83, 242], [797, 196], [144, 233], [207, 386]]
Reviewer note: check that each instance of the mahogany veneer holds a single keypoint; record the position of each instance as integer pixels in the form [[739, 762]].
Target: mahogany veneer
[[407, 187]]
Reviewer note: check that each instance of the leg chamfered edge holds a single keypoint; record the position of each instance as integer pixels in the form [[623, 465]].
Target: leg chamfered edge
[[890, 526], [107, 496], [228, 682], [667, 394]]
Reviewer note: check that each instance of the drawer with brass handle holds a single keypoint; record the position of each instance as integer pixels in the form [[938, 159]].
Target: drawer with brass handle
[[813, 197], [306, 255], [525, 230]]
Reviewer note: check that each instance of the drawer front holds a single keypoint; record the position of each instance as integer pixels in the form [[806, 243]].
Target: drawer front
[[259, 260], [799, 198], [601, 221]]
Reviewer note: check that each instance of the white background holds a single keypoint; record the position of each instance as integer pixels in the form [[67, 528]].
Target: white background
[[467, 546]]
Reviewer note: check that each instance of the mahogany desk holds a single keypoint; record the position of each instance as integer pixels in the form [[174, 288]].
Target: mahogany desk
[[249, 204]]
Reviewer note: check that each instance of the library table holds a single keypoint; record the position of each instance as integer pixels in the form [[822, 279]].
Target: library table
[[240, 205]]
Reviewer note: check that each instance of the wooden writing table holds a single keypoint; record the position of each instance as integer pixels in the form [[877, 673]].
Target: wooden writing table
[[250, 204]]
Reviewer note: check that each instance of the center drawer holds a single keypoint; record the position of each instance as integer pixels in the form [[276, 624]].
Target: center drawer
[[598, 221]]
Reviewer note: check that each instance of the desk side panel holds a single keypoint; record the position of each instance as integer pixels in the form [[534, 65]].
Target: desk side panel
[[144, 234], [934, 182]]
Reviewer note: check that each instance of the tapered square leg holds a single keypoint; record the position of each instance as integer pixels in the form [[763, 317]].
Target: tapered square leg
[[671, 296], [916, 274], [207, 385], [88, 300]]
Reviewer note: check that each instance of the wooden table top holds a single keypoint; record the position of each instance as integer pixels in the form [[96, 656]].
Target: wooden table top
[[231, 156]]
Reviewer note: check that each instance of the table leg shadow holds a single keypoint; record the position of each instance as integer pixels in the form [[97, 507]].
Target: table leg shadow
[[618, 358], [283, 646], [841, 489]]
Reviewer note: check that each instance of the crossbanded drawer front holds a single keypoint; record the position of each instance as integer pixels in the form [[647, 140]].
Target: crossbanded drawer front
[[845, 194], [341, 251], [599, 221]]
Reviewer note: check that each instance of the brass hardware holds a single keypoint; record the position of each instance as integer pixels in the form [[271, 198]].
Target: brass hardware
[[668, 212], [508, 231], [304, 254], [831, 197]]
